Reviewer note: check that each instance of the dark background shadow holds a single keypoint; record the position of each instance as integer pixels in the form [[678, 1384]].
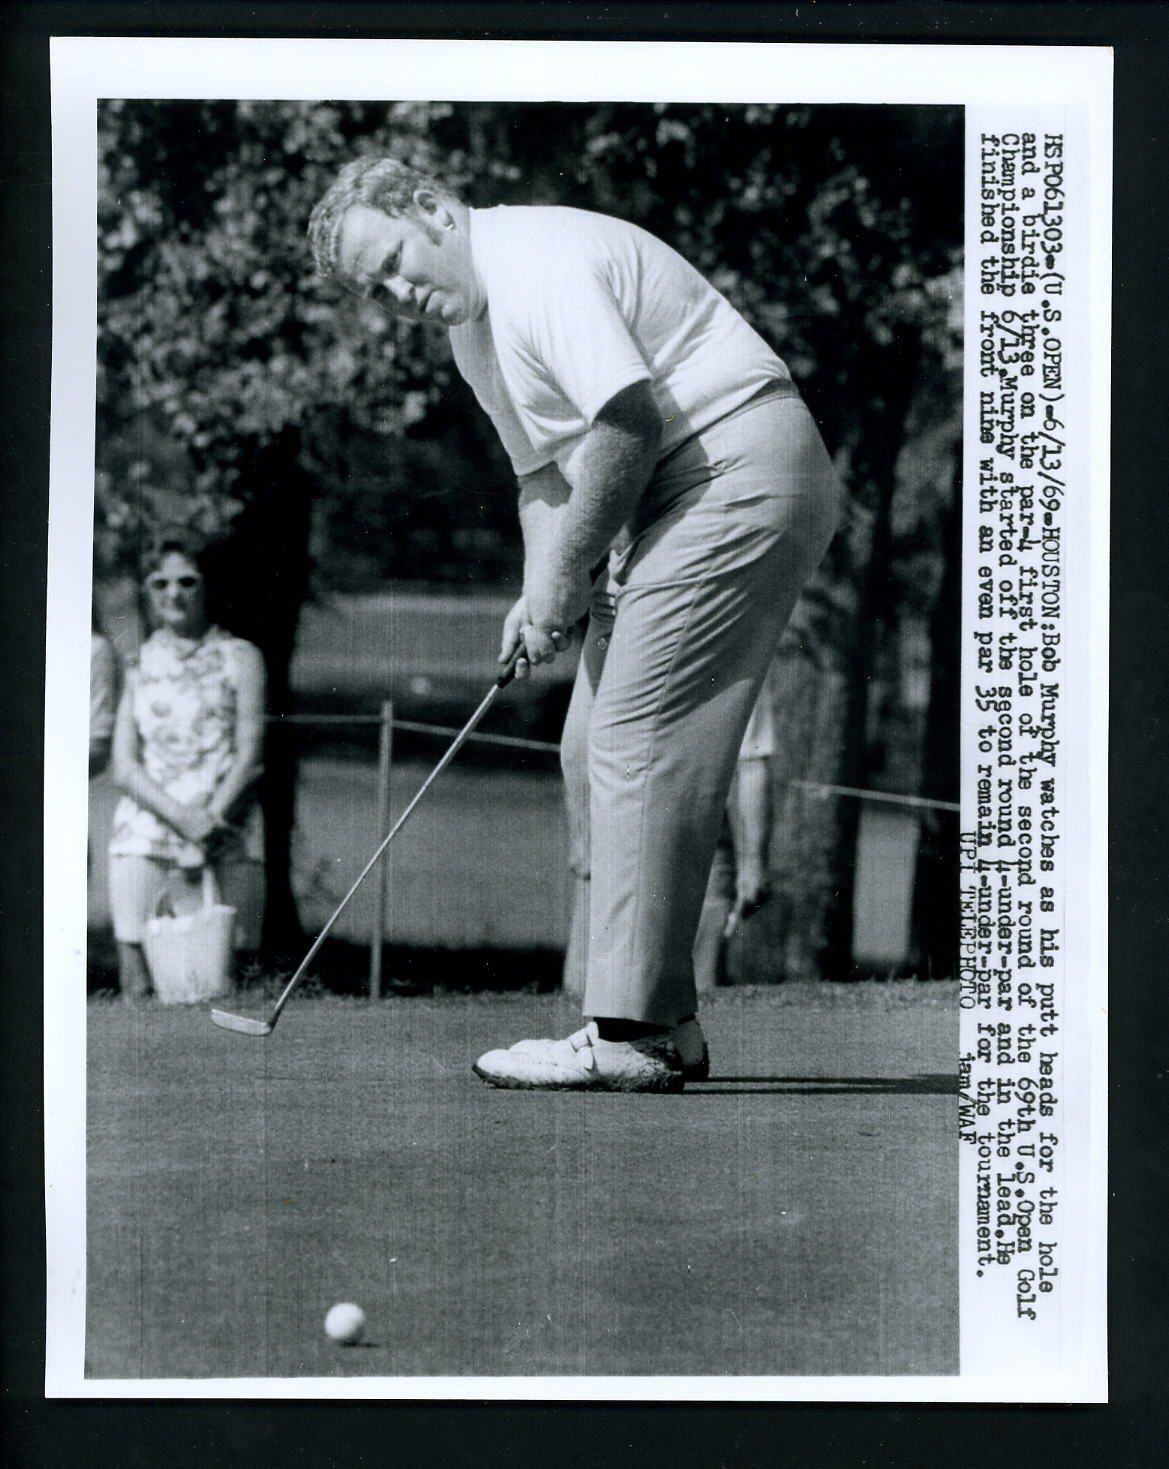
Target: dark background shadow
[[938, 1085]]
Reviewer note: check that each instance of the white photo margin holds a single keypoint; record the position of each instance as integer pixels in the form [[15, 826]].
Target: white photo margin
[[991, 82]]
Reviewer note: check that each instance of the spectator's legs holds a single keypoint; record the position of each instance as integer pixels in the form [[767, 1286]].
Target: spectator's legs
[[241, 886], [136, 884], [709, 945], [133, 976]]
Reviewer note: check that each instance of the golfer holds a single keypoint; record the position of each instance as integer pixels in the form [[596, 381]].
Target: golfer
[[649, 426]]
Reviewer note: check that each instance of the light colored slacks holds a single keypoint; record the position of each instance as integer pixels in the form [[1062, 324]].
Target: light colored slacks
[[730, 528]]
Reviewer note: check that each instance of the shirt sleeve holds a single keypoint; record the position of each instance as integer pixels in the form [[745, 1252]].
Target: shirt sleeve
[[568, 351], [478, 364]]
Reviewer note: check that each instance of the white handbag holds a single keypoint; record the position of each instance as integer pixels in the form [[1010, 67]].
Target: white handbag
[[189, 955]]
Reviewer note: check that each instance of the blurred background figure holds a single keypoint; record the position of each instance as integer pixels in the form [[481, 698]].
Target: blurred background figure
[[739, 879], [103, 695], [187, 752]]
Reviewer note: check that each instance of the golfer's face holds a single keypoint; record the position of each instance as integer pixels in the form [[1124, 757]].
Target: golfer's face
[[415, 266]]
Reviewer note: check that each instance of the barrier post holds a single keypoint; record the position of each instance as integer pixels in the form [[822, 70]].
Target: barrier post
[[384, 765]]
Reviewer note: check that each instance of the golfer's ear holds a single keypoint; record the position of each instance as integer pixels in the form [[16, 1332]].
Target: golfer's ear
[[431, 207]]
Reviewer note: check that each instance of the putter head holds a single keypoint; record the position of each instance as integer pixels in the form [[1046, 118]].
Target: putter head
[[244, 1024]]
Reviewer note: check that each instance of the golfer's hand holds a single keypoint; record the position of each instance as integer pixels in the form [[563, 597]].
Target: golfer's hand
[[554, 605], [541, 640], [512, 637]]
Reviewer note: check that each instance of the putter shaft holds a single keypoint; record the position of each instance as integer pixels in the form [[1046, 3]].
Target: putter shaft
[[242, 1024]]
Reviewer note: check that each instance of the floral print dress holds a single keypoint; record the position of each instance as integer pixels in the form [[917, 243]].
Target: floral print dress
[[185, 715]]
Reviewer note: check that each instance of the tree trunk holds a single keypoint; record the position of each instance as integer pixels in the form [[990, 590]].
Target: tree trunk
[[880, 436], [269, 552], [934, 946]]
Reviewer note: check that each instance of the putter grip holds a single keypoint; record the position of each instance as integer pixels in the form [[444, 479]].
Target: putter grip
[[508, 671]]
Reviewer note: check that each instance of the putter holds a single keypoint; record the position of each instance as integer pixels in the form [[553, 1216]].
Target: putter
[[248, 1025]]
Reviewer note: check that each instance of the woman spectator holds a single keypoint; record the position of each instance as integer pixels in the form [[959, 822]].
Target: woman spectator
[[187, 754]]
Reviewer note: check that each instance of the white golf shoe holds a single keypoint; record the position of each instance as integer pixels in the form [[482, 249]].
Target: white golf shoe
[[584, 1062], [688, 1039]]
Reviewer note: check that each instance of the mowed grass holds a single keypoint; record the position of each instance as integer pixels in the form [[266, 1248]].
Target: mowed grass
[[795, 1215]]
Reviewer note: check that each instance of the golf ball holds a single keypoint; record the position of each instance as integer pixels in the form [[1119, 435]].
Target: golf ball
[[345, 1323]]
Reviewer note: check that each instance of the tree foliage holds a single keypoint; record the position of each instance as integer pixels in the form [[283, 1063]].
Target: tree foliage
[[831, 229]]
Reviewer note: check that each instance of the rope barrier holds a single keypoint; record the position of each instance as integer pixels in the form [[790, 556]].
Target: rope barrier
[[889, 798], [514, 742], [323, 719]]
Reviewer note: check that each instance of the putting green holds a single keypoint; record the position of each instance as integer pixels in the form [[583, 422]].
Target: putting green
[[795, 1215]]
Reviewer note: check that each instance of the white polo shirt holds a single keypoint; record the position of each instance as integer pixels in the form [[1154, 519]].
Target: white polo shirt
[[580, 306]]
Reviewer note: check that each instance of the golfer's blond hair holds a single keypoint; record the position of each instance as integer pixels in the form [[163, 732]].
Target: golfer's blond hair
[[384, 184]]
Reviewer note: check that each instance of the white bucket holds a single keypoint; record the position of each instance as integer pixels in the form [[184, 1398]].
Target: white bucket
[[189, 956]]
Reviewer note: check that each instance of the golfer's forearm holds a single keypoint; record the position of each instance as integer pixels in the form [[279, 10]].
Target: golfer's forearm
[[543, 498], [610, 475]]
